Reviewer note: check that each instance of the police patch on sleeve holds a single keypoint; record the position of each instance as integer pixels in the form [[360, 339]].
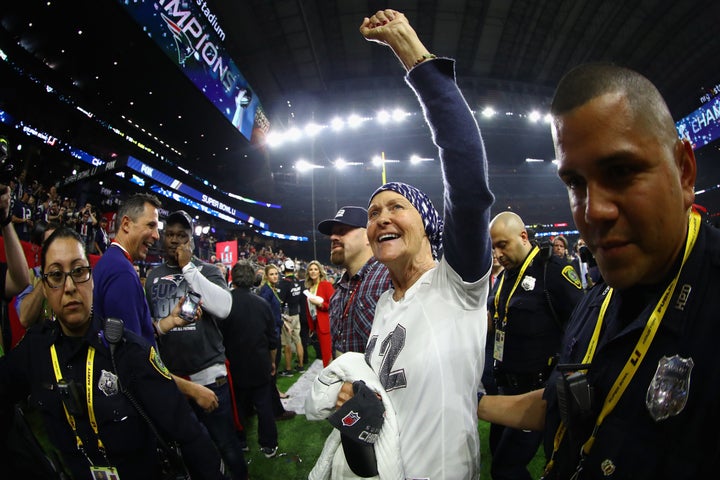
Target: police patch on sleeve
[[571, 276], [158, 364]]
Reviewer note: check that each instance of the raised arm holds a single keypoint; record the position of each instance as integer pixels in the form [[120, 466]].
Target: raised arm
[[467, 199], [209, 283], [17, 276], [216, 298], [29, 305]]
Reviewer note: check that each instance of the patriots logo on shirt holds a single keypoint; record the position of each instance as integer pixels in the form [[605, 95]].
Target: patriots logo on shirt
[[350, 419], [175, 278]]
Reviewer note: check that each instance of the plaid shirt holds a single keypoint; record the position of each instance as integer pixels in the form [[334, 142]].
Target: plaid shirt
[[352, 306]]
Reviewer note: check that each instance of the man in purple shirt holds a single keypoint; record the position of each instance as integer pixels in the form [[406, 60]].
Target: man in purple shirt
[[352, 306], [118, 292]]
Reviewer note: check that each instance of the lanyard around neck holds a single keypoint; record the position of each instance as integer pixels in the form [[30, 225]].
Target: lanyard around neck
[[524, 267], [638, 353], [274, 291], [88, 398]]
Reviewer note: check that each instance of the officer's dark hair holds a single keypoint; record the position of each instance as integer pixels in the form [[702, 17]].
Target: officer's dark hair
[[134, 206], [586, 82], [243, 275], [62, 232]]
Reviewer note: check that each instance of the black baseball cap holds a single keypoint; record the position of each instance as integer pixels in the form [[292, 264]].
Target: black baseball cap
[[182, 217], [352, 216], [360, 420]]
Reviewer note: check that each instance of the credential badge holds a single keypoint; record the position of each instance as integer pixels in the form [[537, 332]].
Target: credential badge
[[108, 383], [528, 283], [669, 389]]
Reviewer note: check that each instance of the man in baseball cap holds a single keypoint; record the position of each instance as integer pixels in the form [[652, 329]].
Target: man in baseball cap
[[352, 306], [350, 216], [183, 218]]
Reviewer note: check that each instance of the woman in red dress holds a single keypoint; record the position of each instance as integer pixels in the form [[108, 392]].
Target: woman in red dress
[[318, 292]]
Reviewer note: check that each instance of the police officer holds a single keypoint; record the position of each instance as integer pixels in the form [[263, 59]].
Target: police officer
[[642, 346], [534, 297], [68, 369]]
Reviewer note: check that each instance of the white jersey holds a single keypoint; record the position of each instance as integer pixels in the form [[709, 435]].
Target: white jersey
[[428, 350]]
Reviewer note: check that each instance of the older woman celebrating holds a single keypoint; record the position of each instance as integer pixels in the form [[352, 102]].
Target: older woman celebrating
[[426, 347]]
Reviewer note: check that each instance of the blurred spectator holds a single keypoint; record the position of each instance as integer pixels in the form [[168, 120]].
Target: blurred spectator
[[250, 345], [22, 217], [102, 238]]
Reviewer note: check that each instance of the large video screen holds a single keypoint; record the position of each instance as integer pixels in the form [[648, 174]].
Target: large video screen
[[702, 126], [192, 36]]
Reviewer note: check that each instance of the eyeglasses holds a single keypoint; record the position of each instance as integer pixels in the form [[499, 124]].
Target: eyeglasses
[[57, 278]]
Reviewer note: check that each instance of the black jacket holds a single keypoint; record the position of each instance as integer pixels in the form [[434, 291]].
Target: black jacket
[[130, 445], [532, 331], [249, 335]]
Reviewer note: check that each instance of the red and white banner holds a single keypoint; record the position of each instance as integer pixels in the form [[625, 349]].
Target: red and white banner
[[226, 252]]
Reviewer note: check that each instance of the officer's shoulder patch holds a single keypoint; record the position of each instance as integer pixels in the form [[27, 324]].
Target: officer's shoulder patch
[[158, 364], [571, 276]]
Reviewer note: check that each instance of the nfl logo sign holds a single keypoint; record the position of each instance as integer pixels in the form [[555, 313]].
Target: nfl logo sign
[[350, 419]]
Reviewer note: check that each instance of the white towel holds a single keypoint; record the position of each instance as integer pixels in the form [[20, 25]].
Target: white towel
[[320, 404]]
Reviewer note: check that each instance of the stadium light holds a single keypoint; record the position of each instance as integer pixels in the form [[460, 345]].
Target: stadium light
[[488, 112], [382, 117], [337, 124]]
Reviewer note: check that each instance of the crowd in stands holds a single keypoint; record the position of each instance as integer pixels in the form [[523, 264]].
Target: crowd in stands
[[33, 203]]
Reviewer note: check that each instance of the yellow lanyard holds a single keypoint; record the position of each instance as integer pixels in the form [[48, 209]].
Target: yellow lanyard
[[524, 267], [88, 397], [638, 353]]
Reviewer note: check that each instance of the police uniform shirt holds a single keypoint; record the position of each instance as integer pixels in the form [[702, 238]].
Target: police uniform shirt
[[630, 443], [532, 333], [130, 444]]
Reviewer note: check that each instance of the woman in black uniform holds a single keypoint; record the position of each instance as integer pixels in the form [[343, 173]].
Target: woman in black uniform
[[67, 369]]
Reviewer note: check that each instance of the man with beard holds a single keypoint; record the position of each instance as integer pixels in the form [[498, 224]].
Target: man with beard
[[352, 306]]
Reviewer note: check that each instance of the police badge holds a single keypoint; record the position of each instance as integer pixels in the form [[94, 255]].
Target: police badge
[[668, 391], [108, 383], [528, 283]]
